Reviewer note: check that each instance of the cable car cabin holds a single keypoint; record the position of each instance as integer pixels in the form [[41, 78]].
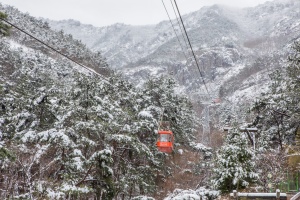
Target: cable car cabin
[[165, 141]]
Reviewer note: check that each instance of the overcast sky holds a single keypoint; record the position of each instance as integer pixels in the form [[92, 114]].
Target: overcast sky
[[107, 12]]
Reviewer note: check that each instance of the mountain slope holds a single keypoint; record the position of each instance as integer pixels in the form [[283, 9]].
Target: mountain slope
[[225, 40], [66, 133]]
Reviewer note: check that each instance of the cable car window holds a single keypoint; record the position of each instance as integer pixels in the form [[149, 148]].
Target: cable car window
[[164, 138]]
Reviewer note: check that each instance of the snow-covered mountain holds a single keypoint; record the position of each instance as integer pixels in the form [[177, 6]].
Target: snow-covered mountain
[[233, 46]]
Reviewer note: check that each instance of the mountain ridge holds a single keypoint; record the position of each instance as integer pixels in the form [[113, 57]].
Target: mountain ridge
[[233, 46], [219, 36]]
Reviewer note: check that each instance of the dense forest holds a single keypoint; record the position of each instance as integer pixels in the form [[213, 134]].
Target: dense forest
[[69, 133]]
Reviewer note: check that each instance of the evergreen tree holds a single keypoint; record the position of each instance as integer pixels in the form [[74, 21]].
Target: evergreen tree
[[234, 163], [293, 86], [278, 110], [4, 28], [160, 96]]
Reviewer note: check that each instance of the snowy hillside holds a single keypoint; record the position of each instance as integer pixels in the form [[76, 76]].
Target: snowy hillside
[[120, 43], [66, 133], [228, 42]]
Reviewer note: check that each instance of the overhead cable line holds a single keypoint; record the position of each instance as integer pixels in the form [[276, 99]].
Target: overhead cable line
[[192, 50], [179, 24], [186, 57], [89, 69], [183, 51], [182, 33], [57, 51]]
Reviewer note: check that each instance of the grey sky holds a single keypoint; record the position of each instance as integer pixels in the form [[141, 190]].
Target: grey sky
[[107, 12]]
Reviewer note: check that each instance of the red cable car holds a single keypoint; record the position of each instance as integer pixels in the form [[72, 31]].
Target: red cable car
[[165, 141]]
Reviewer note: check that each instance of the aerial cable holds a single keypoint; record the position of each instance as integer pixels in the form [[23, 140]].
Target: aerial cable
[[182, 33], [174, 30], [89, 69], [187, 46], [192, 50], [186, 56]]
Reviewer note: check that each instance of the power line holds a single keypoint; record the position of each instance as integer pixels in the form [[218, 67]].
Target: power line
[[192, 49], [52, 48]]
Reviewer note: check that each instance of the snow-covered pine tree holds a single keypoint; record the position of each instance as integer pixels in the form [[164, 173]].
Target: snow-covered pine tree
[[135, 165], [159, 97], [4, 28], [293, 86], [278, 110], [234, 164], [177, 109]]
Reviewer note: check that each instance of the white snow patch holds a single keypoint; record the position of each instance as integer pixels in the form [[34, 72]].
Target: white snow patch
[[180, 151], [54, 195], [145, 113]]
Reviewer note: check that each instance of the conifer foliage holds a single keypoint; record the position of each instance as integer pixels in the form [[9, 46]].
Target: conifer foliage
[[4, 28], [278, 110], [234, 163]]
